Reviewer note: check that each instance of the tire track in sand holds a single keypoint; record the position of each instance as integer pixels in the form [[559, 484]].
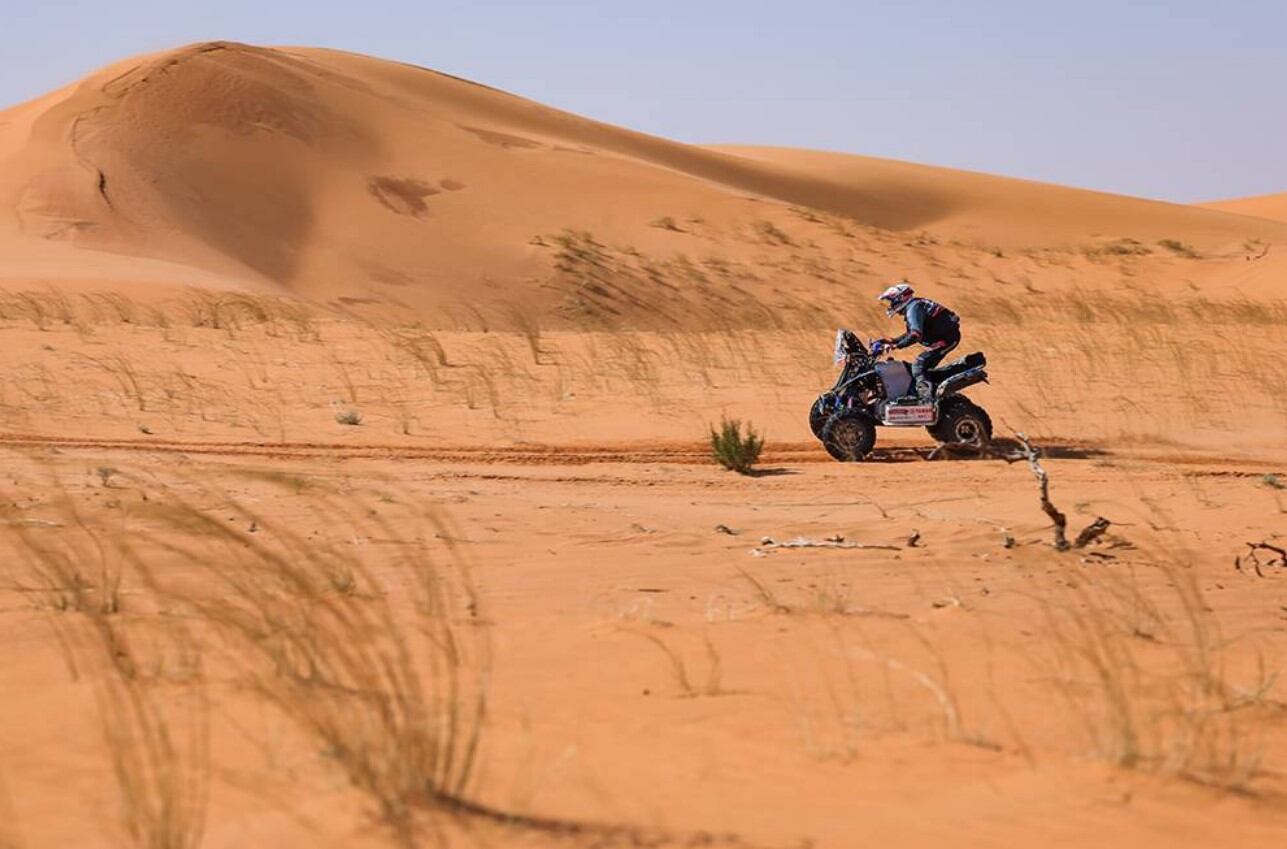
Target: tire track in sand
[[535, 454], [688, 452]]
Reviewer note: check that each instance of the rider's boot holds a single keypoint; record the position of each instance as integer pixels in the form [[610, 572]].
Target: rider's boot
[[924, 391]]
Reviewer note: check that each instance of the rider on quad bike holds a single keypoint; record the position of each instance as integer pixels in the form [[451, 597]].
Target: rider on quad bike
[[929, 323]]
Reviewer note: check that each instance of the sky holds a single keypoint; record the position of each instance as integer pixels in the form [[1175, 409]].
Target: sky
[[1180, 100]]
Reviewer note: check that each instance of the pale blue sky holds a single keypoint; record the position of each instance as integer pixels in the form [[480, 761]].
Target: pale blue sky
[[1182, 100]]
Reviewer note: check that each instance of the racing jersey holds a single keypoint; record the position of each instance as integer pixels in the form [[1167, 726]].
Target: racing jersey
[[928, 322]]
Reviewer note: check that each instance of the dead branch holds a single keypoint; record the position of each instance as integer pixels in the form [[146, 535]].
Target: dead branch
[[1028, 452], [1092, 532], [836, 541], [1278, 558], [1280, 553], [1060, 521]]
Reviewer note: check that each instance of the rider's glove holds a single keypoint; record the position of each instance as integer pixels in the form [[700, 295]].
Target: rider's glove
[[880, 346]]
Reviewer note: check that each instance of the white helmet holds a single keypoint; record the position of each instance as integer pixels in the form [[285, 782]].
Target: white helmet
[[896, 298]]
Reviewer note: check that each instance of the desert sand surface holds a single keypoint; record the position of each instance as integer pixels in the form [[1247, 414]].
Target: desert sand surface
[[1273, 207], [359, 493]]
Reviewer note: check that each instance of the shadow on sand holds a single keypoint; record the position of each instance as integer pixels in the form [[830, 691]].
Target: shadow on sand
[[774, 472], [1002, 448]]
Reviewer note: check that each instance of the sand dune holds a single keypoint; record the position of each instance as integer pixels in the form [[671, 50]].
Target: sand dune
[[997, 210], [359, 181], [1273, 207]]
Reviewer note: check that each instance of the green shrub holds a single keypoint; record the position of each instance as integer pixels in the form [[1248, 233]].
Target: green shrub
[[349, 417], [734, 451]]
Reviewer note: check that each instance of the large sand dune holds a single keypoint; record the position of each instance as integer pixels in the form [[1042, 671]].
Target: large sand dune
[[360, 181], [1273, 207]]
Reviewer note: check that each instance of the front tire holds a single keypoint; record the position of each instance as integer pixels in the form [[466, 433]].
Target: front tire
[[849, 436], [818, 416], [961, 422]]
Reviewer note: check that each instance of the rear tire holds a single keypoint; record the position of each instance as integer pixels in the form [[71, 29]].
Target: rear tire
[[849, 436], [961, 421]]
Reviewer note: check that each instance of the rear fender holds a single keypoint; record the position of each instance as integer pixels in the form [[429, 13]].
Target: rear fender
[[958, 382]]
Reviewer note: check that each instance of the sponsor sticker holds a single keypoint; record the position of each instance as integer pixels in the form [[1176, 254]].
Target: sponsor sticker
[[920, 414]]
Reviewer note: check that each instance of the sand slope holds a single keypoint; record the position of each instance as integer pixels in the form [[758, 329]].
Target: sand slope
[[997, 210], [344, 178], [1273, 206]]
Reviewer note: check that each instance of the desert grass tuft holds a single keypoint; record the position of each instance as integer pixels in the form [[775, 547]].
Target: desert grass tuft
[[385, 671], [688, 688], [64, 563], [155, 724], [1151, 683], [1179, 248]]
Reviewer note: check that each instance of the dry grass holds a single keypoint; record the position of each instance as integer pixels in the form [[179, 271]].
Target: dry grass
[[64, 563], [394, 690], [154, 715], [386, 670], [1141, 670], [1151, 680], [711, 685], [408, 376], [157, 732], [866, 687], [825, 597], [1179, 248]]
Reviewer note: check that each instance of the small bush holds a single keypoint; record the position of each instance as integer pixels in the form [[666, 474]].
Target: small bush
[[734, 451], [666, 223], [1178, 248], [1126, 247], [349, 417], [772, 234]]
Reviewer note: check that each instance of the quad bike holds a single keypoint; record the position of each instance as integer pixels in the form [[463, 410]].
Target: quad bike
[[872, 392]]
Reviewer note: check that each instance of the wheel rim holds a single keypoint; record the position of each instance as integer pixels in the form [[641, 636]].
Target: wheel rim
[[968, 429], [847, 436]]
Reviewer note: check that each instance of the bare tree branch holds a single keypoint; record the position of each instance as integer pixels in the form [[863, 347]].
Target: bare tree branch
[[1092, 532], [1279, 557], [1058, 519]]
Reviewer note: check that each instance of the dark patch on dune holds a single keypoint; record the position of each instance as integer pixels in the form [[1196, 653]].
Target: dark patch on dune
[[402, 196], [451, 185], [504, 140], [390, 276]]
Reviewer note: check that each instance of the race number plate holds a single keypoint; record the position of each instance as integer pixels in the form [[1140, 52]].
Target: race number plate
[[921, 414]]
